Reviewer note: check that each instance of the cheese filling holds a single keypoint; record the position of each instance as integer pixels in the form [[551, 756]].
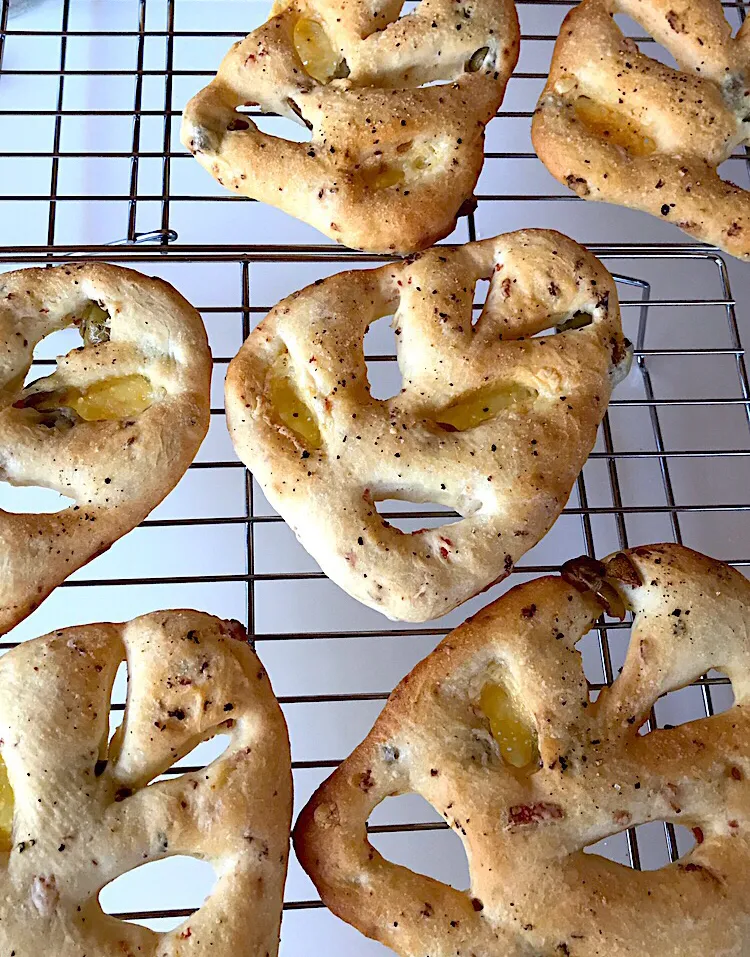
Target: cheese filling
[[412, 161], [106, 400], [614, 127], [510, 728], [383, 176], [6, 810], [314, 49], [472, 411], [290, 405]]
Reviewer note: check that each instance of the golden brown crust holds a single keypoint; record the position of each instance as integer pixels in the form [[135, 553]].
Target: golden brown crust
[[85, 814], [117, 471], [533, 890], [379, 117], [693, 118], [509, 476]]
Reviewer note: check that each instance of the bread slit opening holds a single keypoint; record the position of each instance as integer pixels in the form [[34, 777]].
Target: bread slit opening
[[159, 885]]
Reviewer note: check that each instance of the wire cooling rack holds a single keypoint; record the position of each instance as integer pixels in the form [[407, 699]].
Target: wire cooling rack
[[90, 98]]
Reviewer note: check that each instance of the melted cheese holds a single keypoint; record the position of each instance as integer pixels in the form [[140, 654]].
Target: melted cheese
[[614, 127], [314, 49], [6, 810], [472, 411], [290, 405], [510, 728], [107, 400]]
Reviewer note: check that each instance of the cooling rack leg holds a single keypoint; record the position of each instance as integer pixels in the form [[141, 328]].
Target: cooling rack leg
[[167, 162], [58, 126], [734, 332], [604, 650], [137, 105], [622, 540], [4, 11], [249, 504], [736, 343], [645, 287], [654, 414], [742, 13]]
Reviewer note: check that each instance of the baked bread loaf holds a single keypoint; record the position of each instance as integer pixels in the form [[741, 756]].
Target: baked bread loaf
[[496, 729], [615, 125], [85, 810], [114, 427], [390, 162], [490, 421]]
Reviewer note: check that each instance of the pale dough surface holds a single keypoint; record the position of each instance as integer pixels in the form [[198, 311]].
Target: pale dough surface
[[86, 811], [694, 117], [116, 471], [533, 890], [509, 477], [377, 119]]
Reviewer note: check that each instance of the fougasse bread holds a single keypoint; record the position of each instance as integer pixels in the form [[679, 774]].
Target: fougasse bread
[[114, 427], [393, 156], [84, 809], [494, 419], [614, 124], [498, 731]]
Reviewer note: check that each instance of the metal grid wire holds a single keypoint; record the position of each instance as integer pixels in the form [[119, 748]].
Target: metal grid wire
[[142, 231]]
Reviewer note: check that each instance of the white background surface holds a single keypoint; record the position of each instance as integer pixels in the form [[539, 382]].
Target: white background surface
[[93, 188]]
